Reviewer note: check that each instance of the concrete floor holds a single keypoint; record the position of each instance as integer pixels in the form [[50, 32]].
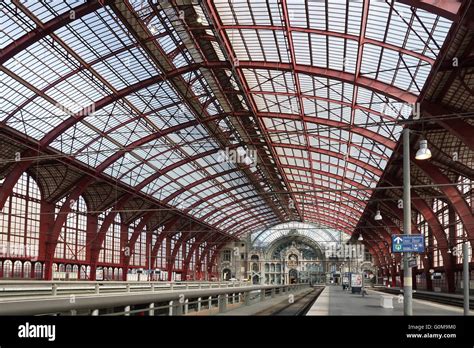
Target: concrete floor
[[334, 301]]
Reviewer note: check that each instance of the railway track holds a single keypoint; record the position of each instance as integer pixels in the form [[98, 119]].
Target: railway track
[[299, 307], [446, 299]]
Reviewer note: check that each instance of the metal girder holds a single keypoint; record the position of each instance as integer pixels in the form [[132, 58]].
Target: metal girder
[[150, 137], [186, 235], [354, 161], [48, 138], [135, 234], [361, 81], [457, 127], [247, 210], [139, 30], [218, 193], [174, 251], [428, 214], [444, 8], [329, 33], [296, 79], [438, 232], [379, 246], [196, 183], [327, 211], [168, 226], [332, 165], [12, 178], [220, 209], [451, 192], [265, 222], [328, 100], [173, 166], [49, 27], [223, 209], [213, 240], [366, 133], [199, 240], [59, 129], [54, 232]]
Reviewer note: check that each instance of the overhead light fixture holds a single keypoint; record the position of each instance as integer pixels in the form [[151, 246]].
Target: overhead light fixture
[[360, 237], [378, 216], [423, 152], [199, 19], [449, 251]]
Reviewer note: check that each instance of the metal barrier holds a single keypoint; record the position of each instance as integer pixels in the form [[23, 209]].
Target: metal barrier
[[155, 298], [10, 288]]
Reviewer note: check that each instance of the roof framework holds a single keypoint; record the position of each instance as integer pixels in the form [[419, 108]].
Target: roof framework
[[151, 96]]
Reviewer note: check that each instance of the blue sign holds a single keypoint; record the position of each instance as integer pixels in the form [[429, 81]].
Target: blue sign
[[408, 243]]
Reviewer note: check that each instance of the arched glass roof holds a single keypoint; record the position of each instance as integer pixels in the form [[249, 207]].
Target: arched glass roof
[[150, 93], [322, 236]]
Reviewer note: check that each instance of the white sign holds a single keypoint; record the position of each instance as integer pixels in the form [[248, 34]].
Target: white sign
[[356, 280]]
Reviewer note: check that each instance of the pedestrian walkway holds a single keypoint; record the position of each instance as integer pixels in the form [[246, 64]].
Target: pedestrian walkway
[[335, 301]]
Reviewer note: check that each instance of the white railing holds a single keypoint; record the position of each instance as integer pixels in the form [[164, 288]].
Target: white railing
[[9, 288]]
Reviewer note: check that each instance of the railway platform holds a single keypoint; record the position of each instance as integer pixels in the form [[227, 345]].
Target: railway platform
[[334, 301]]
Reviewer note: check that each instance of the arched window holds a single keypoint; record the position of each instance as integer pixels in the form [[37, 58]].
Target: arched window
[[72, 240], [83, 274], [19, 219], [255, 267], [226, 255], [68, 268], [7, 269], [17, 269], [38, 270], [110, 249], [27, 269]]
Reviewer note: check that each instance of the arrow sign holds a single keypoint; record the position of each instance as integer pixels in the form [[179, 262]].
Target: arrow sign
[[398, 240], [411, 243]]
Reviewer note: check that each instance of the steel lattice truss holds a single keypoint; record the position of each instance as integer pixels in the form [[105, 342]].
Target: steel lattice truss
[[151, 93]]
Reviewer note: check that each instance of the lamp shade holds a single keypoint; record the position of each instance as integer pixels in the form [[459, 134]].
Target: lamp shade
[[423, 152], [378, 216]]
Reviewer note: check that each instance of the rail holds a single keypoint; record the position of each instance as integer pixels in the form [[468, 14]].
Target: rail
[[59, 299], [15, 288]]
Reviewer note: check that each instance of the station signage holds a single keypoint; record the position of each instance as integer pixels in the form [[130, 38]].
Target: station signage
[[408, 243]]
